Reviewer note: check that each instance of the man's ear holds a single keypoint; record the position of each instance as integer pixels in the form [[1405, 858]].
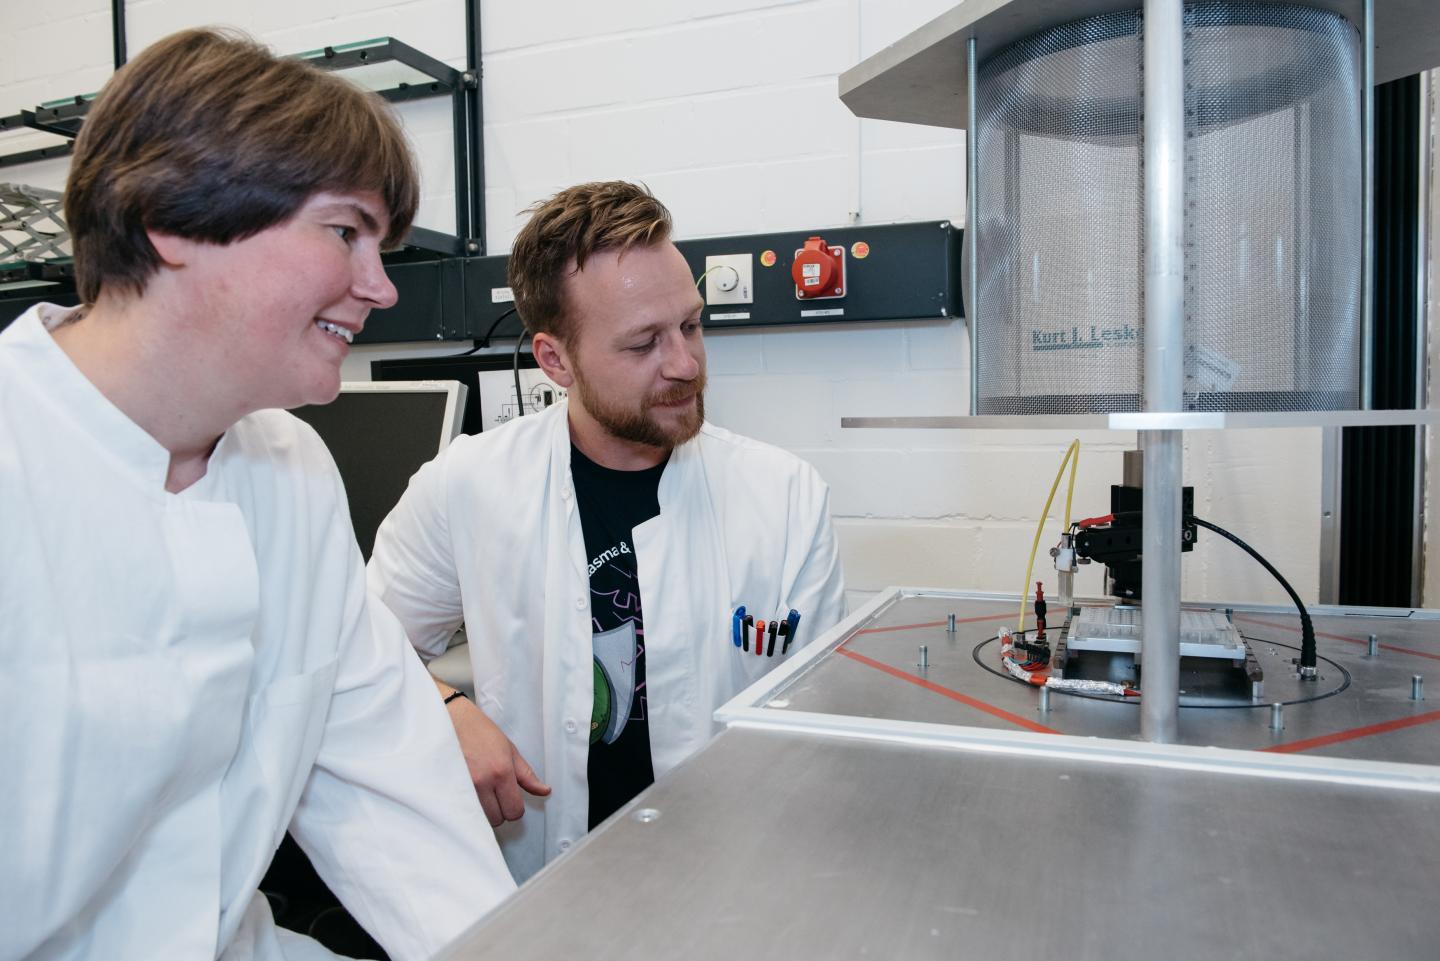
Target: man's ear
[[174, 250], [554, 359]]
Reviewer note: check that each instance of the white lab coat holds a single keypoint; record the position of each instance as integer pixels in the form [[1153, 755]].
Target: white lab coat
[[488, 533], [181, 675]]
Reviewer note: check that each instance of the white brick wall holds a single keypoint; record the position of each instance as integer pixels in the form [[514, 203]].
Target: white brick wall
[[727, 108]]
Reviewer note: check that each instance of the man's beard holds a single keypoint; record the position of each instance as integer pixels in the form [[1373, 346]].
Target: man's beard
[[637, 425]]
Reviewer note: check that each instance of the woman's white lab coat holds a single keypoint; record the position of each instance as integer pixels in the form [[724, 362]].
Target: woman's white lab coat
[[489, 533], [180, 675]]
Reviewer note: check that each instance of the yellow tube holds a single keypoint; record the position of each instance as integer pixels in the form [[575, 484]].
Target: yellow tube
[[1072, 457]]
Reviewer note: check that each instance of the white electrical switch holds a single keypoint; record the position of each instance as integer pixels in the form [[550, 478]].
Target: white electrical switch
[[729, 279]]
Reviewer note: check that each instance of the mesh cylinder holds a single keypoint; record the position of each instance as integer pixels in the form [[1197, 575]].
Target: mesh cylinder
[[1272, 214]]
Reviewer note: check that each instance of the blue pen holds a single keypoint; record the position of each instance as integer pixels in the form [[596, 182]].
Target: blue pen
[[792, 620], [736, 623]]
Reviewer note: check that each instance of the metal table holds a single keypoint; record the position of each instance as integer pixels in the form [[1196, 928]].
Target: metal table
[[859, 806]]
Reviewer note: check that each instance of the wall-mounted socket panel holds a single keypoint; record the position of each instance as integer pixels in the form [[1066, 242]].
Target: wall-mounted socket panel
[[729, 279]]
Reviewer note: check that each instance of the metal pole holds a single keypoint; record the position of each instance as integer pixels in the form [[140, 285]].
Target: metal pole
[[1164, 133], [1332, 467], [1367, 214], [972, 202], [1422, 342], [461, 144], [475, 101], [117, 30]]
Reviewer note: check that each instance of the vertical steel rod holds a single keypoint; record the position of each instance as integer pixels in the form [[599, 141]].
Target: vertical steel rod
[[1332, 467], [972, 202], [461, 136], [1164, 133], [1367, 213], [1422, 340], [117, 31], [475, 109]]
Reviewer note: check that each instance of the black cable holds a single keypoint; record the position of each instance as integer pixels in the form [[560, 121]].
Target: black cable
[[1307, 629], [519, 397], [484, 342]]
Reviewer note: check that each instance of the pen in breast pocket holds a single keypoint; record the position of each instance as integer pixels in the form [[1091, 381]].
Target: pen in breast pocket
[[792, 621]]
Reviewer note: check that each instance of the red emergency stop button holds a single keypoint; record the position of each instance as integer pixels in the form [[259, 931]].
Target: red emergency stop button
[[818, 270]]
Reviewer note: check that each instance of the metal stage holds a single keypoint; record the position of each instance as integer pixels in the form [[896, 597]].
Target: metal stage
[[861, 806]]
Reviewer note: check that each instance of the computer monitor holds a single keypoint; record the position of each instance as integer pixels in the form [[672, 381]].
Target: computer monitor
[[380, 435], [490, 378]]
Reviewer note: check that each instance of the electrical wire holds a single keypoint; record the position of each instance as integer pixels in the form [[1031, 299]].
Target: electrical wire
[[1307, 629], [519, 396], [1072, 457], [485, 341]]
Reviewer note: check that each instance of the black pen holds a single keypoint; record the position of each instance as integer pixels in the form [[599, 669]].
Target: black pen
[[770, 651]]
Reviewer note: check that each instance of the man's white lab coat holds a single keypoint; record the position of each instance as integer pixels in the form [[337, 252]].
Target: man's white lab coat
[[489, 533], [180, 675]]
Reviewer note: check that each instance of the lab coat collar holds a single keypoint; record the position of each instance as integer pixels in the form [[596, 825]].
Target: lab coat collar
[[57, 377]]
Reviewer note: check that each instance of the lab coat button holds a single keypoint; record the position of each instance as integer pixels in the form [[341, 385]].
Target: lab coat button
[[570, 725], [564, 844], [566, 492], [579, 603]]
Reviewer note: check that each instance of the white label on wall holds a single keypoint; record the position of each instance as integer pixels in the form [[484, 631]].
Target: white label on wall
[[832, 312], [502, 295], [743, 315]]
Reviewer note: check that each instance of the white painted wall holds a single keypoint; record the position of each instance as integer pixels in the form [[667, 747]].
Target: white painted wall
[[728, 110]]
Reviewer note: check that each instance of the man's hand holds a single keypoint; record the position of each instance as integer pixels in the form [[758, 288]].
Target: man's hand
[[497, 769]]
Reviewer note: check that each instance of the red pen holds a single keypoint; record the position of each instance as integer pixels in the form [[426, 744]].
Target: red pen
[[759, 638]]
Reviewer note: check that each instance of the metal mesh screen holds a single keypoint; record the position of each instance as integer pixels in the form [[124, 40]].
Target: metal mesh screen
[[1272, 219]]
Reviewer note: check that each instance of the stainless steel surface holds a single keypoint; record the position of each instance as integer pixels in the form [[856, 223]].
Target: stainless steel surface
[[915, 79], [784, 845], [1332, 464], [867, 671], [1367, 206], [972, 251], [1141, 420]]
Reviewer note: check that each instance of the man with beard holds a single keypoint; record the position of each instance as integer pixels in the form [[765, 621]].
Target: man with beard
[[597, 553]]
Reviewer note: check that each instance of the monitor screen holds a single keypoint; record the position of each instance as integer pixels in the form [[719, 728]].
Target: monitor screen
[[380, 435], [489, 379]]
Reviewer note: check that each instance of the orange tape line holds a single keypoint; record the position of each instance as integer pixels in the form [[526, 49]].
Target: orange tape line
[[990, 709], [1350, 735]]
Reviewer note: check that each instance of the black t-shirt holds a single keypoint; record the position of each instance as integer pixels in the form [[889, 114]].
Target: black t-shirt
[[612, 503]]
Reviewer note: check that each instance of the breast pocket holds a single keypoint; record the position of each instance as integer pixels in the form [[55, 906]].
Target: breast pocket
[[757, 653]]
